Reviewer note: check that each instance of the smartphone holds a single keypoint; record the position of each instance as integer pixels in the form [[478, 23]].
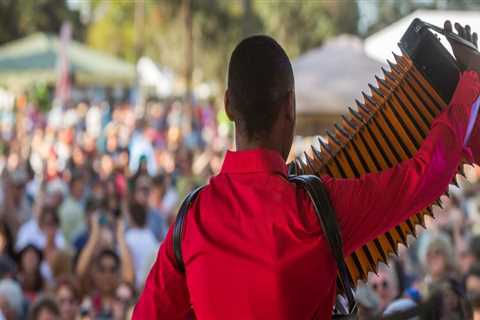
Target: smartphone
[[103, 219]]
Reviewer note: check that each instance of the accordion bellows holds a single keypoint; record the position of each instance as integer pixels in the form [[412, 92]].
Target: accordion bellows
[[387, 128]]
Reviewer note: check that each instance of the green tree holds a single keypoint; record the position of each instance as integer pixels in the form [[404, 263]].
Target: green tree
[[21, 17], [112, 28], [217, 27], [302, 25]]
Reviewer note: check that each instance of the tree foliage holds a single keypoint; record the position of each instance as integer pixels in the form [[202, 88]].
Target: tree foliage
[[19, 18], [300, 26], [157, 28], [112, 28]]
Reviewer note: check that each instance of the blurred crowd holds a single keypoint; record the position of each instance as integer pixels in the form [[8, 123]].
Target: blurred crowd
[[439, 273], [87, 193]]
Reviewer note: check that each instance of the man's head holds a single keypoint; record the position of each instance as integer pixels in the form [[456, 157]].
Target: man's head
[[385, 284], [77, 185], [438, 259], [142, 189], [138, 215], [260, 96]]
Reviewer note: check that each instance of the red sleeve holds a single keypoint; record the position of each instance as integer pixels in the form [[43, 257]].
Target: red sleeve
[[165, 295], [371, 205]]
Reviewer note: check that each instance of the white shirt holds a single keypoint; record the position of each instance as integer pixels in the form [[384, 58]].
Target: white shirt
[[143, 246], [30, 233]]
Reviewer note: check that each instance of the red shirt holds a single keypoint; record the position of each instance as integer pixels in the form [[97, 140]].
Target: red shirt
[[253, 248]]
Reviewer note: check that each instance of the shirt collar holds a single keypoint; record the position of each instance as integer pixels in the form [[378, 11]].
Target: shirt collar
[[254, 160]]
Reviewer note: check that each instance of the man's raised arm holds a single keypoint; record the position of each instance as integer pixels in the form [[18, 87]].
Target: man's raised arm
[[371, 205]]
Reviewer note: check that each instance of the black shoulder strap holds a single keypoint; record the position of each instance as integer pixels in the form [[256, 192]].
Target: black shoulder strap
[[328, 220], [178, 227]]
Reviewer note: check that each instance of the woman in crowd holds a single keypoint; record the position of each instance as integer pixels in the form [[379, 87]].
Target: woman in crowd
[[29, 274], [67, 296], [44, 308]]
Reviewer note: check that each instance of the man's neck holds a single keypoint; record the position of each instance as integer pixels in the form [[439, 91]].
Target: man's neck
[[243, 143]]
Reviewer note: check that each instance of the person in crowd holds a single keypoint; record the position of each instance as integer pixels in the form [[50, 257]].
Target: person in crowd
[[141, 241], [141, 189], [91, 206], [11, 300], [124, 301], [161, 204], [142, 155], [29, 273], [367, 302], [15, 207], [44, 308], [49, 223], [44, 232], [472, 287], [100, 246], [438, 260], [385, 285], [67, 296], [452, 301], [71, 211], [469, 254], [106, 274]]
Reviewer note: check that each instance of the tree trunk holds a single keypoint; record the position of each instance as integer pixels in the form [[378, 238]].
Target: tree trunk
[[187, 6]]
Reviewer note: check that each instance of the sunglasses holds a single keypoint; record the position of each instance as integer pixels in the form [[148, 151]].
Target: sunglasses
[[381, 285]]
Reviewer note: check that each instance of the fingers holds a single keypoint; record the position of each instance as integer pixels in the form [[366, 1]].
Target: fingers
[[447, 26], [460, 30], [467, 34], [464, 32]]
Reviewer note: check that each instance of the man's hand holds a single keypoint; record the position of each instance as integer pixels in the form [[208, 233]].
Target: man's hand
[[467, 58]]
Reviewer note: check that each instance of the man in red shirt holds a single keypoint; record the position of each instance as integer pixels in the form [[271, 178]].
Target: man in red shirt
[[252, 245]]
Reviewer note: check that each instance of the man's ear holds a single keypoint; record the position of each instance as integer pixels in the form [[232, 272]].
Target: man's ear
[[228, 107]]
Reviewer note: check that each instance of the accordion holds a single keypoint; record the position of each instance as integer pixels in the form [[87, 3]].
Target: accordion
[[387, 128]]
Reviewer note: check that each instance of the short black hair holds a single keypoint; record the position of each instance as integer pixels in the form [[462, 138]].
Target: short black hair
[[259, 77], [474, 247], [75, 177], [42, 303], [138, 214], [474, 271], [107, 253], [46, 211]]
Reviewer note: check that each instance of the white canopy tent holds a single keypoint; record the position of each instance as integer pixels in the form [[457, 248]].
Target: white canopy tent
[[380, 45], [150, 75]]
